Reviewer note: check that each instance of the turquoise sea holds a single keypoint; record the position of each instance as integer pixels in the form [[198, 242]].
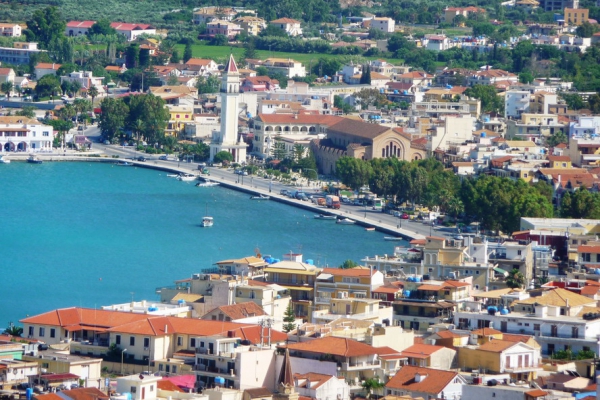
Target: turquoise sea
[[91, 234]]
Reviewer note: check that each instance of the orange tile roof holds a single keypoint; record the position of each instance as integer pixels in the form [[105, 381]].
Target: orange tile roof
[[497, 346], [65, 317], [387, 289], [300, 119], [252, 333], [536, 393], [241, 310], [348, 272], [513, 337], [589, 290], [313, 380], [49, 396], [449, 335], [165, 384], [434, 380], [89, 393], [486, 331], [336, 346], [588, 248], [559, 158], [420, 350]]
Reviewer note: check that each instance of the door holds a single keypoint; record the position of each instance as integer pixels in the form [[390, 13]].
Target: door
[[143, 393], [520, 362], [348, 309], [527, 360], [211, 348], [504, 326]]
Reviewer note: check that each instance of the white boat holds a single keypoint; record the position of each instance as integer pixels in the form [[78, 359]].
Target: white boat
[[186, 177], [392, 238], [207, 183], [207, 221], [4, 160], [345, 221], [259, 197], [323, 216], [172, 175]]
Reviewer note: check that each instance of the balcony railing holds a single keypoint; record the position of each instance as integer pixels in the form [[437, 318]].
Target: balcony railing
[[214, 370], [356, 365], [323, 300]]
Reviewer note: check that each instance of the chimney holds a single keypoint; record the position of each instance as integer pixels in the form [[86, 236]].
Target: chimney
[[419, 377]]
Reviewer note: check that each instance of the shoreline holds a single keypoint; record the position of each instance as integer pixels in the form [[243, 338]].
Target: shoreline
[[152, 164]]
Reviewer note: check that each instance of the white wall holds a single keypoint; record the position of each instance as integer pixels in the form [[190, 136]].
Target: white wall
[[257, 369]]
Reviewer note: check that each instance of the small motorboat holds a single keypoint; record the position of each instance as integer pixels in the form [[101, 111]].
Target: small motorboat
[[259, 197], [323, 216], [392, 238], [345, 221], [207, 183], [172, 175], [124, 164], [34, 160], [186, 177], [370, 229], [4, 160]]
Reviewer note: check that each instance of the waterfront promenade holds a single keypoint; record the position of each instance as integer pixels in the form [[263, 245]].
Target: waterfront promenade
[[250, 184]]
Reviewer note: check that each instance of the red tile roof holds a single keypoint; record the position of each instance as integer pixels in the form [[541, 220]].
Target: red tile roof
[[165, 384], [559, 158], [80, 24], [420, 350], [335, 346], [433, 380], [497, 346], [300, 119], [486, 331]]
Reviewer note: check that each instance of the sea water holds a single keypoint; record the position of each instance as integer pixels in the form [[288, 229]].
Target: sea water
[[91, 234]]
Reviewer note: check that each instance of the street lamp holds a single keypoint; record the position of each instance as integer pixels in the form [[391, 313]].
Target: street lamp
[[123, 352]]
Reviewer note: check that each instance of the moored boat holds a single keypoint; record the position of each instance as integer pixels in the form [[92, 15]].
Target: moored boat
[[207, 183], [370, 228], [124, 164], [207, 221], [34, 160], [345, 221], [259, 197], [4, 160], [323, 216], [186, 177], [392, 238]]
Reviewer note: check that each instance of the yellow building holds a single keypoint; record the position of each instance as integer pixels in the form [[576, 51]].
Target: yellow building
[[179, 116], [336, 283], [576, 16], [299, 278], [560, 162]]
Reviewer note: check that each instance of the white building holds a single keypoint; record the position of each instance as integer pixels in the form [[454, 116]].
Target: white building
[[387, 25], [22, 134], [12, 30], [86, 79], [228, 139], [437, 42], [141, 387], [288, 67], [288, 25], [516, 102], [20, 53], [321, 386]]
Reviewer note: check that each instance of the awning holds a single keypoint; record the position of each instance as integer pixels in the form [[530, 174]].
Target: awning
[[501, 271], [302, 288], [326, 290], [324, 276], [289, 271]]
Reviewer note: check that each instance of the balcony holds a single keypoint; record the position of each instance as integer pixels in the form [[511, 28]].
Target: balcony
[[322, 300], [214, 371], [360, 365], [215, 354], [516, 370], [87, 348]]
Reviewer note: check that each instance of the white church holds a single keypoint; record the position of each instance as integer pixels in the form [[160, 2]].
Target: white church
[[228, 139]]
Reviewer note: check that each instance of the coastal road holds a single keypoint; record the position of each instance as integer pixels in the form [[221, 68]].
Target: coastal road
[[272, 188]]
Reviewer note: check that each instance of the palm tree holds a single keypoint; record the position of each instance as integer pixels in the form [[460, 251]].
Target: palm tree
[[13, 330], [7, 88], [515, 279], [82, 106], [93, 93], [370, 385], [138, 127]]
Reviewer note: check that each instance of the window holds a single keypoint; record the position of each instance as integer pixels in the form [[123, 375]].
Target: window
[[574, 332], [146, 342], [133, 389], [30, 331], [174, 369], [193, 342], [45, 133], [201, 344], [152, 388], [52, 332], [42, 331], [131, 341], [160, 367], [118, 339], [476, 272], [179, 341]]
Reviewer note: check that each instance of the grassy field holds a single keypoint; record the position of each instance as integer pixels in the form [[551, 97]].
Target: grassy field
[[220, 54]]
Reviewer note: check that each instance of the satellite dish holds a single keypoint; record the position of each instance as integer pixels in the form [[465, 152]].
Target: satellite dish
[[141, 376]]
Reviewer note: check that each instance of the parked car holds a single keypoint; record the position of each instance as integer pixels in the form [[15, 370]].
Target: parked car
[[142, 158], [163, 158], [107, 142], [405, 216]]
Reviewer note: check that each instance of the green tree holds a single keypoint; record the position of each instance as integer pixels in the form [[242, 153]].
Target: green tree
[[101, 27], [27, 111], [152, 111], [339, 102], [490, 101], [46, 27], [223, 157], [112, 117], [62, 127], [556, 139], [526, 77], [175, 57], [371, 97], [585, 30], [353, 172], [250, 49], [370, 385], [93, 93], [13, 330], [279, 151], [187, 52], [47, 86], [326, 66], [580, 203], [515, 279], [207, 85], [365, 77], [289, 319], [7, 88], [348, 264], [132, 56]]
